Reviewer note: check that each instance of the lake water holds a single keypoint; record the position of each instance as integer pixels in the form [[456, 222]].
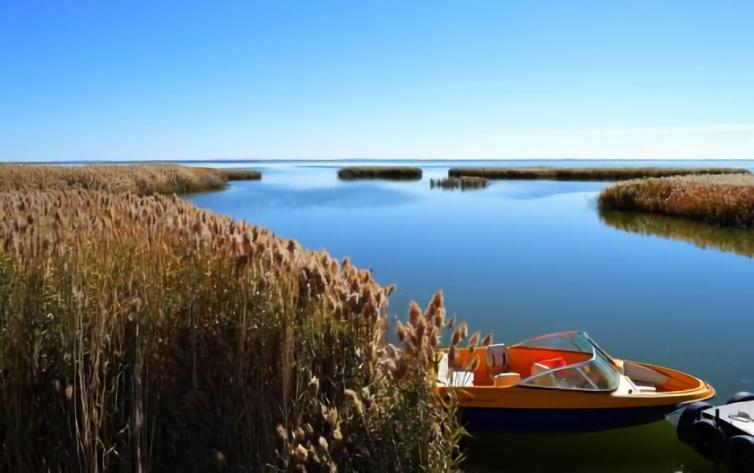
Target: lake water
[[522, 258]]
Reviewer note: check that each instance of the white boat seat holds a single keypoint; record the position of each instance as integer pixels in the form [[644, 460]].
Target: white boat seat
[[510, 378], [497, 357], [462, 379], [537, 368], [442, 371], [446, 377]]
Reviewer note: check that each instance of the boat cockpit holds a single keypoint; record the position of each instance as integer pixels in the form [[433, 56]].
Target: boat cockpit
[[564, 360]]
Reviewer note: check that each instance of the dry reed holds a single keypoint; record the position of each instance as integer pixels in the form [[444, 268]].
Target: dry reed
[[720, 200], [395, 173], [240, 174], [142, 179], [145, 334], [463, 183], [586, 173]]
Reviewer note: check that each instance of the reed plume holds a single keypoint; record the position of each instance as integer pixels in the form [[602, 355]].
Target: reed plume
[[142, 333]]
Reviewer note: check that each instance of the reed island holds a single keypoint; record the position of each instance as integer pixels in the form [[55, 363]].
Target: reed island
[[724, 200], [231, 174], [393, 173], [604, 173], [141, 333]]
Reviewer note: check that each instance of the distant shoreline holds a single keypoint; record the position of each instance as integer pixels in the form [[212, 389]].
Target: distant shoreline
[[375, 160]]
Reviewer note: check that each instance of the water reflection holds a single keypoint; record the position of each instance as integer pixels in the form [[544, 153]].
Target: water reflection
[[649, 448], [270, 197], [703, 235]]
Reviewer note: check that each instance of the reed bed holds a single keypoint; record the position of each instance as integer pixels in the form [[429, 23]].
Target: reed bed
[[141, 333], [586, 173], [703, 235], [394, 173], [142, 179], [725, 200], [463, 183], [240, 174]]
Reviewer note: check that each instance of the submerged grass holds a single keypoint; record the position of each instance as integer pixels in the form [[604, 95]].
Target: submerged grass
[[703, 235], [146, 334], [585, 173], [463, 183], [396, 173], [142, 179], [726, 200]]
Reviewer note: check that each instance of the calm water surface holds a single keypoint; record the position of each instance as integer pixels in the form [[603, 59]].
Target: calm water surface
[[522, 258]]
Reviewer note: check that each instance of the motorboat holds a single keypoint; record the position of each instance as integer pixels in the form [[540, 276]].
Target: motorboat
[[560, 382]]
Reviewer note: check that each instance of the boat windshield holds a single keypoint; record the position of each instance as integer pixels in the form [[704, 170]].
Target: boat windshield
[[596, 374]]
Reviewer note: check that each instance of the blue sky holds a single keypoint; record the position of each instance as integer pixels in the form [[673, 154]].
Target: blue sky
[[359, 79]]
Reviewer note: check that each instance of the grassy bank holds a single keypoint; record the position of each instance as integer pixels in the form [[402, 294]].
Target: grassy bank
[[146, 334], [395, 173], [703, 235], [463, 183], [143, 179], [726, 200], [240, 174], [586, 173]]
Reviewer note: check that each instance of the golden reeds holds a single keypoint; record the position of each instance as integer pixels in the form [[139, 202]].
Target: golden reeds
[[141, 179], [586, 173], [396, 173], [240, 174], [146, 334], [726, 200]]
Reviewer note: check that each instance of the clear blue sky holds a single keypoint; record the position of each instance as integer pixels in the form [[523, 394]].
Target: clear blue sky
[[361, 79]]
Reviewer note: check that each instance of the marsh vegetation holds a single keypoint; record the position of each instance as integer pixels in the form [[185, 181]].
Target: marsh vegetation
[[142, 333], [394, 173], [463, 183], [141, 179], [145, 333], [726, 200], [605, 173], [240, 174]]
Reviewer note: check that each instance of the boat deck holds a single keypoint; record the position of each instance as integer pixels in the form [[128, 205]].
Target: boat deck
[[739, 415]]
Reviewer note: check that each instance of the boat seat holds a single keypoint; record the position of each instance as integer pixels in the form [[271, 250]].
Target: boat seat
[[548, 364], [504, 380], [537, 368], [497, 359], [462, 378], [442, 371], [547, 381], [446, 377]]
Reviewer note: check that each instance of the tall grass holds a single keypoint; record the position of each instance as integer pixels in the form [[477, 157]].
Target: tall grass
[[586, 173], [143, 179], [396, 173], [145, 334], [720, 200]]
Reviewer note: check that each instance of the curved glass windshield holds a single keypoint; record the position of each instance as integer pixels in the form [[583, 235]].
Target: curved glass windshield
[[596, 374], [571, 341]]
